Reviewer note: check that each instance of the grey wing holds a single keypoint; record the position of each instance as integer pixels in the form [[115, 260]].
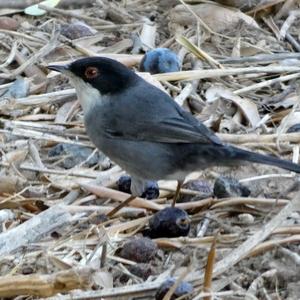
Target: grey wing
[[169, 130], [161, 121]]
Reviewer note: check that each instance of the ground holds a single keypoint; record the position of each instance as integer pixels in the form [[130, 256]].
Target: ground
[[56, 239]]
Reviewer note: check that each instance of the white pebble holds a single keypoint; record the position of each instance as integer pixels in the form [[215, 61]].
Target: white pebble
[[246, 218]]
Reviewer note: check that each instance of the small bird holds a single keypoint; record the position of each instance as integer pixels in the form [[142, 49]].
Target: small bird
[[144, 130], [160, 60]]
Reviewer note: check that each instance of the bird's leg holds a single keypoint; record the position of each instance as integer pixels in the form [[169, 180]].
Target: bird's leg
[[137, 188], [120, 206], [179, 185]]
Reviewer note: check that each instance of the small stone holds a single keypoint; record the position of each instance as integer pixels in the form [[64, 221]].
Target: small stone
[[76, 31], [183, 289], [74, 155], [246, 219], [6, 215], [141, 270], [8, 23], [226, 187], [140, 250], [169, 222], [55, 235], [294, 128], [201, 186], [27, 270], [19, 89]]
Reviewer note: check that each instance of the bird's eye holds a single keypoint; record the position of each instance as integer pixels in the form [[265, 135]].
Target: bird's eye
[[91, 72]]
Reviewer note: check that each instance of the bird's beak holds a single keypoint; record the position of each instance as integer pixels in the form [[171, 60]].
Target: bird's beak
[[59, 68]]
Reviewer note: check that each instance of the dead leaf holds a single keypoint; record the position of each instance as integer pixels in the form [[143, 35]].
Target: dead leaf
[[103, 279], [34, 10], [216, 17], [11, 184], [288, 121], [289, 101], [16, 156], [248, 108], [241, 4]]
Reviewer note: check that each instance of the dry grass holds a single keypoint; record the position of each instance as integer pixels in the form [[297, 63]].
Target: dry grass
[[242, 81]]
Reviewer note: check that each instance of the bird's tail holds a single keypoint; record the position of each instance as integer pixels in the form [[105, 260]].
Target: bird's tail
[[244, 155]]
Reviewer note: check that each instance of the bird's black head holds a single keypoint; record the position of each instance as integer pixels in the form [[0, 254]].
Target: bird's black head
[[106, 75]]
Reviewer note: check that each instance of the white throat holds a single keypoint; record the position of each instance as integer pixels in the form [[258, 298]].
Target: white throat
[[88, 96]]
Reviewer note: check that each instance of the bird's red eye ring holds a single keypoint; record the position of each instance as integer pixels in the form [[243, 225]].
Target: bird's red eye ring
[[91, 72]]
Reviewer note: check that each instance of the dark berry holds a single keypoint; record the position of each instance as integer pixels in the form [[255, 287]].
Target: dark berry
[[169, 222], [226, 187], [152, 190], [183, 289], [140, 250], [124, 184], [160, 60]]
